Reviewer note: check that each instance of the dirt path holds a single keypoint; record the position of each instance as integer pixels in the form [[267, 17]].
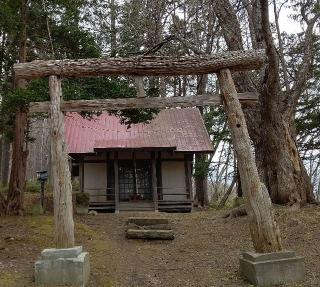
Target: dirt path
[[205, 251], [197, 256]]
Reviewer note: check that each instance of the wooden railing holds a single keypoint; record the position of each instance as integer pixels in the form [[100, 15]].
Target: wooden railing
[[99, 199]]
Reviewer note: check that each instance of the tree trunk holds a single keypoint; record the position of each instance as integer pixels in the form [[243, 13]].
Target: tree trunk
[[17, 183], [1, 148], [271, 130], [282, 167], [263, 227], [2, 197], [141, 93], [200, 178], [61, 178], [201, 172], [5, 159], [113, 32], [227, 193], [280, 164], [239, 188]]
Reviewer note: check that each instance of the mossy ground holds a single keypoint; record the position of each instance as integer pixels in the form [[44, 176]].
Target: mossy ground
[[204, 253], [8, 279]]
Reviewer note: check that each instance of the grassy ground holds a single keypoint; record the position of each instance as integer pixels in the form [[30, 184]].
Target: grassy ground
[[204, 253]]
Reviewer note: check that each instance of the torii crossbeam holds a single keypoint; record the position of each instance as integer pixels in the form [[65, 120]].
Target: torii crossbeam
[[143, 66]]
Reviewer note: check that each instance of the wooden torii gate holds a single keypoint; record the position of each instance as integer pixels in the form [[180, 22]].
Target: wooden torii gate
[[264, 230]]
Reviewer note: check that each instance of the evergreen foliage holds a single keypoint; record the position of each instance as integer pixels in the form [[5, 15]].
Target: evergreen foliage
[[59, 29], [55, 30]]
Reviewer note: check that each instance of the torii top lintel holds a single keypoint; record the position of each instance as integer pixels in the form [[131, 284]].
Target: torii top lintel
[[143, 66]]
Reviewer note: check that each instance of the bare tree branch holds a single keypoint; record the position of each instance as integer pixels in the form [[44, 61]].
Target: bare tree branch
[[281, 49], [303, 73]]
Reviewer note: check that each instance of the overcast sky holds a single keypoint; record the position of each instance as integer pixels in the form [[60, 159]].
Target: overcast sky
[[286, 23]]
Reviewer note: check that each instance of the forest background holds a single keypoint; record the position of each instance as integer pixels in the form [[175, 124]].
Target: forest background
[[284, 126]]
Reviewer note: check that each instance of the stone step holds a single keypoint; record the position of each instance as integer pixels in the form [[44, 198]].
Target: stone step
[[145, 221], [150, 234], [149, 227]]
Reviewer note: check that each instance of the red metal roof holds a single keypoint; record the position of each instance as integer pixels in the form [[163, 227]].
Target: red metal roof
[[178, 129]]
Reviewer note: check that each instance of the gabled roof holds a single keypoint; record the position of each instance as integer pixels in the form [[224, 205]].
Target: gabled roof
[[177, 129]]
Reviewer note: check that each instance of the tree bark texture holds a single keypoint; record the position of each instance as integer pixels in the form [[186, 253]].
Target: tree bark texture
[[270, 124], [227, 193], [283, 170], [1, 149], [113, 32], [61, 177], [39, 149], [263, 227], [141, 93], [201, 173], [141, 103], [5, 160], [17, 182], [239, 188], [201, 182], [2, 164], [143, 66]]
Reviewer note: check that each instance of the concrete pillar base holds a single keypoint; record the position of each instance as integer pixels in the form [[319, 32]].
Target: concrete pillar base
[[81, 210], [266, 269], [69, 266]]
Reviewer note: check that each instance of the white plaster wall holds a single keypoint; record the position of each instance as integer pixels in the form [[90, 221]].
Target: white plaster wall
[[173, 180], [95, 180]]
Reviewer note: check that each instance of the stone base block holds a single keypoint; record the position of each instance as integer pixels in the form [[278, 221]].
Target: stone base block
[[266, 269], [81, 210], [68, 266]]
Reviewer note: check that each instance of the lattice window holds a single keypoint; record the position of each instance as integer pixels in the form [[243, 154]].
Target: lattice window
[[135, 180]]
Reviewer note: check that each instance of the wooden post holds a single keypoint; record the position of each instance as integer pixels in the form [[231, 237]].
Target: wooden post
[[154, 181], [141, 93], [188, 175], [81, 174], [135, 177], [116, 182], [42, 196], [107, 160], [159, 176], [61, 177], [263, 227]]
